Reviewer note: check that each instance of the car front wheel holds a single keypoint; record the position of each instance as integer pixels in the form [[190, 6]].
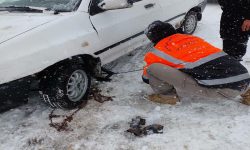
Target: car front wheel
[[67, 87]]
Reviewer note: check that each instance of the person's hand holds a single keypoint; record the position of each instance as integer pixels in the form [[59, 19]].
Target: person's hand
[[246, 25]]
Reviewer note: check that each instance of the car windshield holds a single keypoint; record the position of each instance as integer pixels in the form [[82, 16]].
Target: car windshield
[[61, 5]]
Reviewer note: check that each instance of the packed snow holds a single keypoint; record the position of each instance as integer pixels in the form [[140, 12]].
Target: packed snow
[[193, 124]]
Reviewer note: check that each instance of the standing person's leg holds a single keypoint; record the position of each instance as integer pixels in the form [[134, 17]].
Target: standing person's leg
[[183, 83], [234, 48]]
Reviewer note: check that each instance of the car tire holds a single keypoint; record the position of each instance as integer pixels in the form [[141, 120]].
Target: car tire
[[190, 23], [67, 87]]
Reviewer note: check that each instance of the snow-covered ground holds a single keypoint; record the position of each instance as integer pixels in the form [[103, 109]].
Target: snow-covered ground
[[191, 125]]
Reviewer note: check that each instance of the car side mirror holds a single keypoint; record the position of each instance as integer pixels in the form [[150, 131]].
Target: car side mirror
[[115, 4]]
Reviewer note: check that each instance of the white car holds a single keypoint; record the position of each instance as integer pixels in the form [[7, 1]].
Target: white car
[[62, 43]]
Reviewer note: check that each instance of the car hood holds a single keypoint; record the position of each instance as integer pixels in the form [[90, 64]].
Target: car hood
[[13, 25]]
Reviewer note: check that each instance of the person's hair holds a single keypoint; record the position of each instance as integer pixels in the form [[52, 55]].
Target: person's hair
[[159, 30]]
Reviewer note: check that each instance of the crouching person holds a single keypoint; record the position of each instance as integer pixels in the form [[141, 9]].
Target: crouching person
[[188, 66]]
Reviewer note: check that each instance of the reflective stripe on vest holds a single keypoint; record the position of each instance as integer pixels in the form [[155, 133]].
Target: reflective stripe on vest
[[225, 80], [205, 60], [188, 65], [167, 57]]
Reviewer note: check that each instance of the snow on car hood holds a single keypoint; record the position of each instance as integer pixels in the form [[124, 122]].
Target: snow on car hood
[[12, 25]]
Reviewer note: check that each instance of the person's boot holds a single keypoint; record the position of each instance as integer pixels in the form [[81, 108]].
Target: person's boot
[[246, 98], [171, 99]]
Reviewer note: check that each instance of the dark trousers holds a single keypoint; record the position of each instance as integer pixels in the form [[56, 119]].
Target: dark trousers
[[235, 49]]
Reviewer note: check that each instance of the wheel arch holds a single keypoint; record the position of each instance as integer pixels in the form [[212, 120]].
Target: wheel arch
[[195, 9], [198, 10], [92, 64]]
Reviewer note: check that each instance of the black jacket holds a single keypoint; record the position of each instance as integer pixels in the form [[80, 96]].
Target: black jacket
[[224, 67], [233, 16]]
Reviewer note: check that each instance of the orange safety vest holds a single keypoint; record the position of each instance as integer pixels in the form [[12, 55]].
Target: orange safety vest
[[186, 52]]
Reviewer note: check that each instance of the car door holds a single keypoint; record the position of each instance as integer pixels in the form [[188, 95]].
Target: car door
[[174, 9], [116, 28]]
